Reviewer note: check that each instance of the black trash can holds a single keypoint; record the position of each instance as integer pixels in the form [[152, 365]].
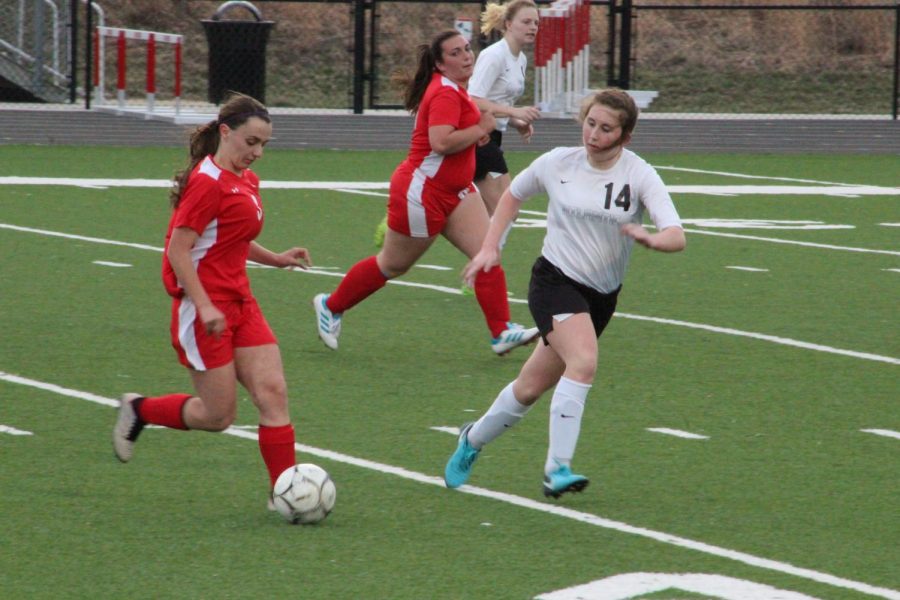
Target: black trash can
[[237, 53]]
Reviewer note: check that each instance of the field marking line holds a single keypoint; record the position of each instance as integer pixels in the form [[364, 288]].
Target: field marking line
[[757, 238], [678, 433], [883, 432], [763, 177], [106, 263], [520, 501], [700, 231], [542, 223], [369, 187], [752, 269], [765, 337], [449, 290], [13, 431]]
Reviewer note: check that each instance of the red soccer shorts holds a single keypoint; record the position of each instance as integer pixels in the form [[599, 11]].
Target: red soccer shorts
[[198, 350], [417, 208]]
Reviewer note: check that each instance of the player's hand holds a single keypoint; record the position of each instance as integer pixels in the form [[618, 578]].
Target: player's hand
[[528, 114], [485, 260], [213, 320], [637, 233], [487, 122], [295, 257], [526, 130]]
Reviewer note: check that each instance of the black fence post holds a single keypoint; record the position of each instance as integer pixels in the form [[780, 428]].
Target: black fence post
[[625, 47], [89, 54], [372, 74], [73, 51], [896, 62], [611, 46], [359, 55]]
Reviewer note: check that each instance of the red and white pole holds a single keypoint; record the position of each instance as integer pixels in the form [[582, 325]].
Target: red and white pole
[[178, 76], [95, 76], [151, 72], [120, 82]]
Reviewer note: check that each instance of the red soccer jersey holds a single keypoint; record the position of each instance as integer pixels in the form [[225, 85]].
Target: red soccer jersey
[[444, 103], [226, 213]]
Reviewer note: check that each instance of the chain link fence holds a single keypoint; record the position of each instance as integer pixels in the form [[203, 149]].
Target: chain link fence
[[700, 58]]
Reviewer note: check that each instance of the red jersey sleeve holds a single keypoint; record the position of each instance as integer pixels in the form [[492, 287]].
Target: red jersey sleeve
[[199, 205], [445, 108]]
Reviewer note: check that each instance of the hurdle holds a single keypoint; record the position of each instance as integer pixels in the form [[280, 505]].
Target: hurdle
[[152, 38], [562, 55]]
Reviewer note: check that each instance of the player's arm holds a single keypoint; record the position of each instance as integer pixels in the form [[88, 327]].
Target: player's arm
[[489, 255], [179, 255], [670, 239], [294, 257], [669, 236], [521, 115], [447, 139]]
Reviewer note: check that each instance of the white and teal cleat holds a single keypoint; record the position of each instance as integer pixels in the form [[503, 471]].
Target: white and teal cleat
[[563, 480], [328, 324], [514, 336]]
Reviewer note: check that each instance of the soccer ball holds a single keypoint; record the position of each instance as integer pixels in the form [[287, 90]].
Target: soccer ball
[[304, 494]]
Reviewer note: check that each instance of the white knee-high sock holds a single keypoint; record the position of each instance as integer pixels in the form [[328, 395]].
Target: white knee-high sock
[[566, 409], [505, 412]]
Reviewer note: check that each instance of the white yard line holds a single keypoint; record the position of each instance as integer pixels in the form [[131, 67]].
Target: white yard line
[[678, 433], [456, 291], [106, 263], [13, 431], [763, 177], [370, 187], [793, 242], [522, 502], [883, 432], [753, 269]]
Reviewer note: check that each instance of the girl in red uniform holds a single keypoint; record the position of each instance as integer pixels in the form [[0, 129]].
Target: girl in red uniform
[[218, 330], [431, 193]]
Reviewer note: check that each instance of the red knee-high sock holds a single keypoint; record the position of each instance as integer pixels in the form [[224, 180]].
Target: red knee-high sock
[[360, 282], [163, 410], [276, 444], [490, 290]]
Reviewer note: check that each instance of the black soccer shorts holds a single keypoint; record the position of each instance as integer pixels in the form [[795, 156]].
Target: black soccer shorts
[[551, 292], [489, 158]]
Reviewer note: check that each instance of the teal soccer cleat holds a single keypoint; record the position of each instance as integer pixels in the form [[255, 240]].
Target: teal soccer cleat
[[563, 480], [459, 467]]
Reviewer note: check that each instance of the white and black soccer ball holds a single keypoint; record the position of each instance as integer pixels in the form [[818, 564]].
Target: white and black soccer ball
[[304, 494]]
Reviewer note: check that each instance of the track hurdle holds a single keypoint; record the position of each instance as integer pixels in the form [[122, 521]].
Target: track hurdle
[[561, 55], [152, 38]]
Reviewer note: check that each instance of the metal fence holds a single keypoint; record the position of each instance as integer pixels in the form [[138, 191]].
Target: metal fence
[[700, 57]]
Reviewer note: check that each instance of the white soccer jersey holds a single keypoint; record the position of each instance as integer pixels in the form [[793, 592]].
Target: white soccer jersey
[[499, 77], [588, 206]]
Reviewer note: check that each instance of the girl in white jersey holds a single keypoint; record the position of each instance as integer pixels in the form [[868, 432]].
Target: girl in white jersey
[[598, 195], [497, 82]]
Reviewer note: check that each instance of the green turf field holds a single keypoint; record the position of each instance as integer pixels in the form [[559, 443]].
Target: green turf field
[[773, 340]]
